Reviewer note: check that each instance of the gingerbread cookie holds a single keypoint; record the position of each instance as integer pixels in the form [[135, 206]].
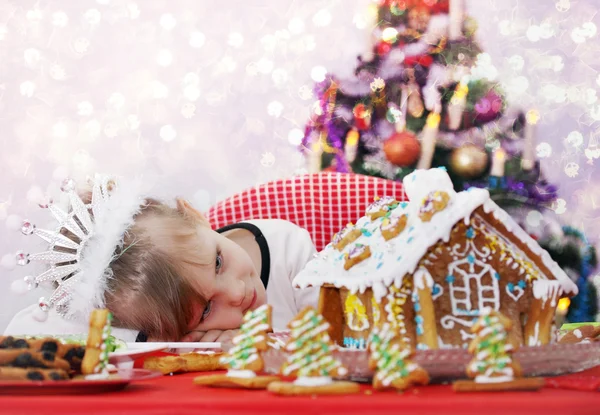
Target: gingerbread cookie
[[187, 362], [95, 360], [393, 226], [244, 359], [434, 202], [346, 236], [235, 379], [310, 359], [380, 207], [29, 359], [358, 253], [390, 358], [493, 367], [582, 334], [29, 374]]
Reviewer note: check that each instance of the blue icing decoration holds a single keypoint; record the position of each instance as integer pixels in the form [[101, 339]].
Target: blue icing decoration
[[471, 259], [399, 258], [419, 320], [470, 233], [403, 204], [450, 279], [511, 286], [443, 168], [365, 232], [422, 346], [417, 307], [379, 265], [419, 330], [436, 289], [522, 284], [409, 240], [496, 275], [412, 228]]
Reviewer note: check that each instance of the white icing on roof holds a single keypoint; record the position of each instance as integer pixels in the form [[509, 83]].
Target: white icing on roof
[[391, 260]]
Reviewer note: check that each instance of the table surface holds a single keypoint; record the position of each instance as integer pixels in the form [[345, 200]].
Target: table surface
[[178, 395]]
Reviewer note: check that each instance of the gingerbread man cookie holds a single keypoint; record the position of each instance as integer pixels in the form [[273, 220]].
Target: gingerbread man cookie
[[186, 362]]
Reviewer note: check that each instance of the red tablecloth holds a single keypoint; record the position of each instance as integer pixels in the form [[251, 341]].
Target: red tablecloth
[[178, 395]]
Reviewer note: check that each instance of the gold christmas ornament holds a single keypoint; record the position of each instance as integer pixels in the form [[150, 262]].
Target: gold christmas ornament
[[418, 19], [469, 161]]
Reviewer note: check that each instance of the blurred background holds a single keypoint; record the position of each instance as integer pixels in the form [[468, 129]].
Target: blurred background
[[214, 97]]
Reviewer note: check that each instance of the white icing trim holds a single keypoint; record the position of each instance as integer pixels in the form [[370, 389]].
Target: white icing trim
[[313, 381], [544, 290], [240, 374], [422, 278], [519, 292], [439, 293]]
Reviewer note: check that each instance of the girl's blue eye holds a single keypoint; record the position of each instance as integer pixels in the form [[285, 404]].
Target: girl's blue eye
[[206, 311], [218, 262]]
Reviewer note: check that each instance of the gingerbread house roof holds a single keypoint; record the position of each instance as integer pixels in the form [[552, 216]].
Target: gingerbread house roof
[[390, 260]]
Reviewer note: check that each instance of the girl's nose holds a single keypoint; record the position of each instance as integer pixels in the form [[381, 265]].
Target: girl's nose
[[237, 293]]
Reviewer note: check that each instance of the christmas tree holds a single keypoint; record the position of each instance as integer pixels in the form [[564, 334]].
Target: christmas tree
[[492, 349], [390, 358], [426, 95], [245, 354], [492, 366], [310, 353]]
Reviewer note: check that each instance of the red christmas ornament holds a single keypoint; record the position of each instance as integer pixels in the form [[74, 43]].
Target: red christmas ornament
[[362, 116], [402, 149], [423, 60], [383, 48]]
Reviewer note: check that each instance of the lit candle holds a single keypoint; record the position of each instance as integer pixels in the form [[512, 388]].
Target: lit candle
[[457, 105], [428, 140], [401, 122], [457, 16], [498, 161], [528, 156], [314, 160], [351, 147]]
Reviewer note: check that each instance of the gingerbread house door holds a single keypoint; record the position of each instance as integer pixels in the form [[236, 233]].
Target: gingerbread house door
[[472, 285]]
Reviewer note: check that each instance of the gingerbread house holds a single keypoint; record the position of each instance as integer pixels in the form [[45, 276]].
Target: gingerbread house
[[429, 266]]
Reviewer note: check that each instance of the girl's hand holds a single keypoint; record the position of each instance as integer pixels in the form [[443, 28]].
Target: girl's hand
[[223, 336]]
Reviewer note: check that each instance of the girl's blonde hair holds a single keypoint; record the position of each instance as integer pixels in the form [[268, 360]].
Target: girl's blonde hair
[[151, 290]]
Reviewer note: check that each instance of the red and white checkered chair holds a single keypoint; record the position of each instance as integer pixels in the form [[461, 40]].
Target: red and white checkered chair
[[322, 203]]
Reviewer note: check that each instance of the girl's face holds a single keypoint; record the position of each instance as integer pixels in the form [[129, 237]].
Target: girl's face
[[230, 284]]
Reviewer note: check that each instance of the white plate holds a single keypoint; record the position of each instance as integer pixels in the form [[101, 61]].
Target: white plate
[[126, 357], [180, 347]]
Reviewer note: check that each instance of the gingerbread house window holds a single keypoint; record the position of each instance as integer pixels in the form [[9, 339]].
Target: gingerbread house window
[[487, 294]]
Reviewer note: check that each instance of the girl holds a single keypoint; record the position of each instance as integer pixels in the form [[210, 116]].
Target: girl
[[172, 278]]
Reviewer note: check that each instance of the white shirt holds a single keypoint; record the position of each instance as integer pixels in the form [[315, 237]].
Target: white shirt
[[290, 249]]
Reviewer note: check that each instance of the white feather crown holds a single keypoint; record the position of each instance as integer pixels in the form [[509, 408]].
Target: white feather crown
[[79, 265]]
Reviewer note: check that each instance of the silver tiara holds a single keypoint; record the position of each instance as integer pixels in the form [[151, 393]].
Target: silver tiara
[[79, 260]]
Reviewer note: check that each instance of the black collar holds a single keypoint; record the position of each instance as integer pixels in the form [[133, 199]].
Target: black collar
[[265, 255]]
